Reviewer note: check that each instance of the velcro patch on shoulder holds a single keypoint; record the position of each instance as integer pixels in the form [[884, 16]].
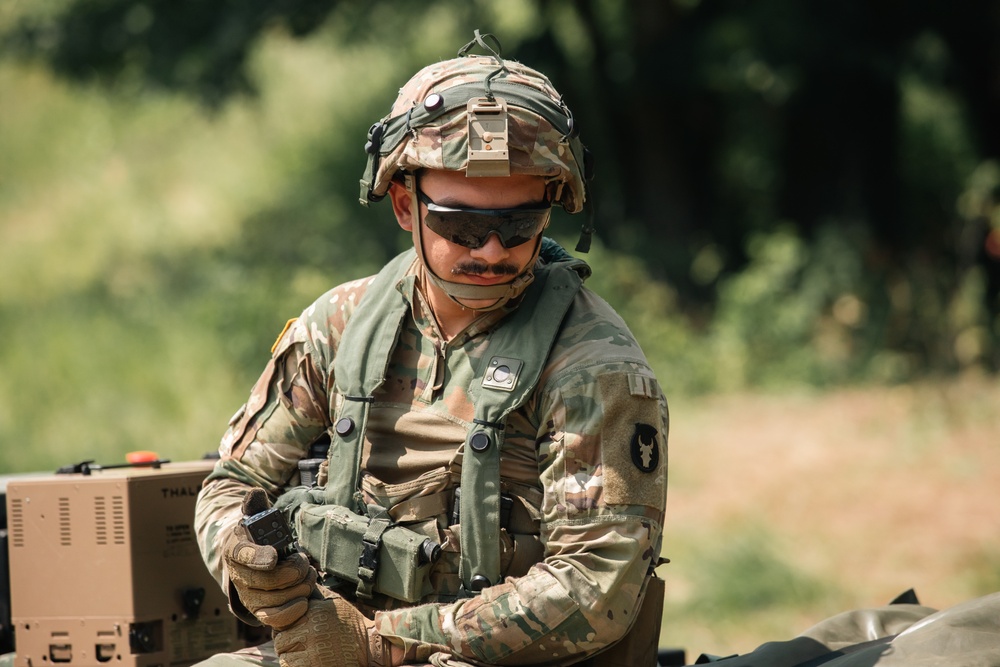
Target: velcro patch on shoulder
[[643, 385], [633, 449]]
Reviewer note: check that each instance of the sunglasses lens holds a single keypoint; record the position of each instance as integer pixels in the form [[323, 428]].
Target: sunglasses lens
[[472, 229]]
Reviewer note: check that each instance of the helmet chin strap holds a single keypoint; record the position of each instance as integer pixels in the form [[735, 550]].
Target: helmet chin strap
[[459, 292]]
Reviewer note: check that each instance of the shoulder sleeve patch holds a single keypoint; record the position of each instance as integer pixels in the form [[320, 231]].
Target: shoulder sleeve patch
[[288, 325], [633, 442], [644, 448]]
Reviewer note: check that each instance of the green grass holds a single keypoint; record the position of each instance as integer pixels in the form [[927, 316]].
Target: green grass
[[743, 573], [732, 587]]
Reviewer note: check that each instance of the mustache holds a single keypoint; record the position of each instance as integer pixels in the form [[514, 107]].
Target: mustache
[[481, 269]]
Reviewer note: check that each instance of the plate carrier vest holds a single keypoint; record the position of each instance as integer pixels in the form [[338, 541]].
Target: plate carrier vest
[[350, 540]]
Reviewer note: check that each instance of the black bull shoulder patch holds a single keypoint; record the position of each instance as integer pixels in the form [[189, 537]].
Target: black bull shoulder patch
[[644, 448]]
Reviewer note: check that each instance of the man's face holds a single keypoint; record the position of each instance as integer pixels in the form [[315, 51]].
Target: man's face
[[490, 264]]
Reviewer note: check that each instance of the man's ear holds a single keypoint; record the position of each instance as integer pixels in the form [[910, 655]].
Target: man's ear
[[402, 205]]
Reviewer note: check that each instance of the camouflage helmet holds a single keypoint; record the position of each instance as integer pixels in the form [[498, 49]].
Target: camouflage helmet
[[483, 115]]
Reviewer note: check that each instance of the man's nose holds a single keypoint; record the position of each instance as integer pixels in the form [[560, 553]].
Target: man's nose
[[491, 252]]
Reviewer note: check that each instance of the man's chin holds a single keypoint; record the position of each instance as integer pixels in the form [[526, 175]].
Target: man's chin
[[476, 304], [484, 279]]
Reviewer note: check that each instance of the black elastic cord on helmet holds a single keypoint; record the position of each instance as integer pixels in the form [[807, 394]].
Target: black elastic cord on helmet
[[587, 232], [373, 147], [481, 41]]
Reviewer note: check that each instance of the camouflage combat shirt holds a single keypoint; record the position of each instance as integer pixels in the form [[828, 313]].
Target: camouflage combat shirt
[[586, 455]]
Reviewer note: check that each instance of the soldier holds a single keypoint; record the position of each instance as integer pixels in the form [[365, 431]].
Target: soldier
[[495, 486]]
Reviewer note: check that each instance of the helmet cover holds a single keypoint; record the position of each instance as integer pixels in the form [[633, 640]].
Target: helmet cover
[[541, 137]]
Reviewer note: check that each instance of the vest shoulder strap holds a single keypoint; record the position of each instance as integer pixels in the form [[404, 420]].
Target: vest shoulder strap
[[359, 369], [517, 355]]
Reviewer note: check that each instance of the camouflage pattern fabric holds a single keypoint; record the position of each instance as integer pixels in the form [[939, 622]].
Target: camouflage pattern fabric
[[585, 458], [264, 655]]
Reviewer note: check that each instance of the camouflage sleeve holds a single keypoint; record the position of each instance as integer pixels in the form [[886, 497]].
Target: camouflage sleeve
[[602, 461], [286, 412]]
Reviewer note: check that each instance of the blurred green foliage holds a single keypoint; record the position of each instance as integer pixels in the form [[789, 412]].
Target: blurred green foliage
[[731, 589], [983, 571], [785, 194], [742, 573]]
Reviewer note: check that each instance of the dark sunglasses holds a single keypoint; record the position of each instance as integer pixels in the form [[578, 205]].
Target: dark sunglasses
[[471, 227]]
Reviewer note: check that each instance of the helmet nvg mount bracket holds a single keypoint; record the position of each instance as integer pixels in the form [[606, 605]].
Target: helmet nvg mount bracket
[[488, 154]]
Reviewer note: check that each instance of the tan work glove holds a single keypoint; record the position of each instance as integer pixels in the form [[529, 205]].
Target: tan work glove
[[333, 633], [274, 591]]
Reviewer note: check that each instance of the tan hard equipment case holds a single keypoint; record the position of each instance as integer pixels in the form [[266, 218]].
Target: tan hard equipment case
[[105, 570]]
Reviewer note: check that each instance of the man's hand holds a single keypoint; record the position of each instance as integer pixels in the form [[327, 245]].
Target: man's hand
[[275, 591], [333, 633]]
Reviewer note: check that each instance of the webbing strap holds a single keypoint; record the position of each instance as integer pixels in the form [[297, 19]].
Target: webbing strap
[[529, 335], [359, 369], [371, 543], [346, 446]]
